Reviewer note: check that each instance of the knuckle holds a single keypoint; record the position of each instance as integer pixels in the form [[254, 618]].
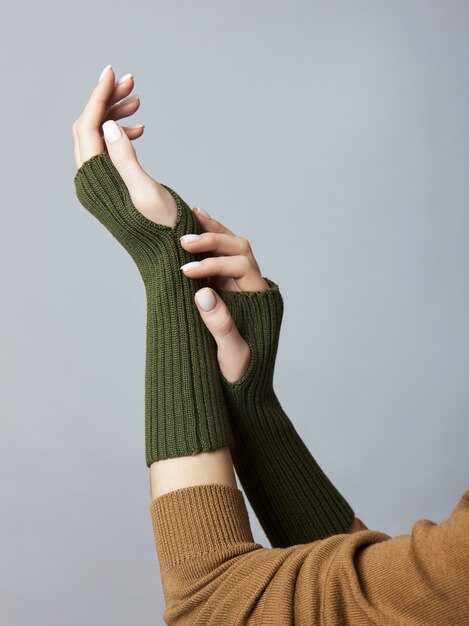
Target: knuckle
[[77, 125], [84, 125], [245, 246], [224, 325], [212, 241], [98, 97], [245, 263]]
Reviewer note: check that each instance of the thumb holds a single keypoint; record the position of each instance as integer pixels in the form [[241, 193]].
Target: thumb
[[123, 155], [233, 352]]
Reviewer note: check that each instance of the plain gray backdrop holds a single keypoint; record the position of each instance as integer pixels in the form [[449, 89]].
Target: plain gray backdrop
[[334, 136]]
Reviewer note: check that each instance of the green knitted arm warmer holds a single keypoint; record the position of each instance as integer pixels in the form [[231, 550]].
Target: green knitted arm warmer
[[185, 411], [293, 499]]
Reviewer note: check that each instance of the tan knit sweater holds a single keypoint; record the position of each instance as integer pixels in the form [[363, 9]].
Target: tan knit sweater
[[213, 572]]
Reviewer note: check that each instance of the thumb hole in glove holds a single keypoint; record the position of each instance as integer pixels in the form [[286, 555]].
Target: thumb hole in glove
[[233, 352]]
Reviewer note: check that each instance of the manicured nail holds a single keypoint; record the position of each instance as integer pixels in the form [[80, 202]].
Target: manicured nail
[[206, 299], [197, 208], [104, 72], [189, 266], [189, 238], [130, 99], [112, 131], [136, 126], [124, 78]]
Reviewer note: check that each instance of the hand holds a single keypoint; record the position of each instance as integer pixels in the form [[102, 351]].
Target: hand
[[239, 272], [230, 265], [104, 106]]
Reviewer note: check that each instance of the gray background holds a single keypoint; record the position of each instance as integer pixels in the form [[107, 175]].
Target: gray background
[[334, 135]]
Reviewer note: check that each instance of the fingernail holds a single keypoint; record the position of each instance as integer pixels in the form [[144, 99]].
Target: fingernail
[[189, 238], [104, 72], [111, 131], [197, 208], [124, 78], [130, 99], [190, 265], [136, 126], [206, 299]]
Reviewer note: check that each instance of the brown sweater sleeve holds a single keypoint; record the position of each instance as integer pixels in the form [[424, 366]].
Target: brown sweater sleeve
[[214, 573]]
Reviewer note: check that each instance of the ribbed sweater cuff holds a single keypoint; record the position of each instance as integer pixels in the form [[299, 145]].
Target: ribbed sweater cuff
[[198, 520]]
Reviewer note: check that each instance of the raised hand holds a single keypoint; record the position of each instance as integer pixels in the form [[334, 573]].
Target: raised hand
[[229, 265], [185, 412], [95, 131]]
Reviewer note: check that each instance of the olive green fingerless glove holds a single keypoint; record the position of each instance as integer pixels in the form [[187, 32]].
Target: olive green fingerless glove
[[185, 411], [293, 499]]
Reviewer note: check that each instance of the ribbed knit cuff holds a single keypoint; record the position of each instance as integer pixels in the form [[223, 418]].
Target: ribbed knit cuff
[[258, 317], [185, 411], [292, 497], [198, 520]]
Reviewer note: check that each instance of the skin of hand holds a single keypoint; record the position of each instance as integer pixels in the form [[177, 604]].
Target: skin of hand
[[230, 263]]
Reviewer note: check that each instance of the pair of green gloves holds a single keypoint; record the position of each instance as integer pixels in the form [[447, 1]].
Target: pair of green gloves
[[189, 406]]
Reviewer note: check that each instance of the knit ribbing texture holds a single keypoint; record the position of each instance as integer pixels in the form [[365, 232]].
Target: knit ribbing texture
[[227, 523], [185, 412], [214, 574], [292, 497]]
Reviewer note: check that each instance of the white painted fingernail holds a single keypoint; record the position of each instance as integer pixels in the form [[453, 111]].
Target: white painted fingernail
[[206, 299], [124, 78], [112, 131], [189, 238], [202, 211], [189, 266], [104, 72], [136, 126]]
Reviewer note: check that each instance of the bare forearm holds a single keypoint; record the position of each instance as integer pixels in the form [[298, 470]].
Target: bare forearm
[[187, 471]]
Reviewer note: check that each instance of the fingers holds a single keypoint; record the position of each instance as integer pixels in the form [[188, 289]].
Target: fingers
[[134, 132], [239, 267], [221, 243], [242, 267], [98, 102], [125, 108], [123, 155], [148, 195], [357, 526], [233, 352], [122, 88], [88, 125], [207, 223], [103, 105]]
